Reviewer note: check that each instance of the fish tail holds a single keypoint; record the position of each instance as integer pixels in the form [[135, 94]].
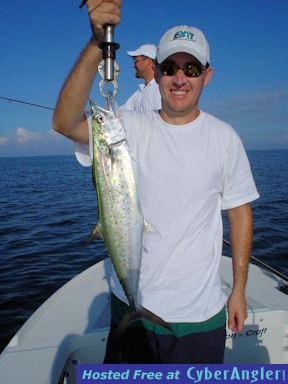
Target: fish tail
[[145, 314], [142, 313]]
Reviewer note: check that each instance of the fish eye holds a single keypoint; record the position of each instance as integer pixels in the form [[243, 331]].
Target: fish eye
[[100, 119]]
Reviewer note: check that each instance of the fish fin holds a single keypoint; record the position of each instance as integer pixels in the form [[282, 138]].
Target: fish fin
[[149, 228], [142, 313], [113, 153], [96, 232]]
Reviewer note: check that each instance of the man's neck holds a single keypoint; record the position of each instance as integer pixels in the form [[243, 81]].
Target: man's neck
[[148, 78]]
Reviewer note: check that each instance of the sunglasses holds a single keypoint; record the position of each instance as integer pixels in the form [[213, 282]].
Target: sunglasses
[[141, 58], [170, 68]]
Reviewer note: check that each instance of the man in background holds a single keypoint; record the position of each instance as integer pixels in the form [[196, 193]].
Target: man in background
[[147, 97]]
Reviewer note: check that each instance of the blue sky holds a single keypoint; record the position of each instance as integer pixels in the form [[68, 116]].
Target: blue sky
[[40, 41]]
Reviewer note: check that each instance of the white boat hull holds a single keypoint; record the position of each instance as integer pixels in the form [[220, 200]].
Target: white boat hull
[[73, 324]]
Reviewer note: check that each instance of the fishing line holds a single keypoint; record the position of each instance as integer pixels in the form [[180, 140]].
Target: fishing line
[[26, 102], [262, 264]]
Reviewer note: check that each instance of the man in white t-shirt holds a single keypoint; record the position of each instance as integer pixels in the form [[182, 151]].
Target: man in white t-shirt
[[147, 97], [189, 166]]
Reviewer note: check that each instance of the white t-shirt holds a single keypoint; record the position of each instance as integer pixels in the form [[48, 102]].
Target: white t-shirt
[[186, 174], [146, 98]]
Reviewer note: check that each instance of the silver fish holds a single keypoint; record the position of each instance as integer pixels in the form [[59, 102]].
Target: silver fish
[[121, 222]]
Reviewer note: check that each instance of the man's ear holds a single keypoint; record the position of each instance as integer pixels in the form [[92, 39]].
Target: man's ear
[[208, 74], [157, 74]]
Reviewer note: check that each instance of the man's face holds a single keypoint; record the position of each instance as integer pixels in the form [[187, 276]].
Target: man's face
[[180, 93], [140, 64]]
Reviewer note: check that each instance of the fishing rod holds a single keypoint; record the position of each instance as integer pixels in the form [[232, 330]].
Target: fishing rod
[[266, 266], [26, 102]]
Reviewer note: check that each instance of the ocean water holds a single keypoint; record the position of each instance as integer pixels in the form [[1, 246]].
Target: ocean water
[[48, 208]]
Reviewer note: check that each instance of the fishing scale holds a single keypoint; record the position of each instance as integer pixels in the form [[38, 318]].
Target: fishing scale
[[108, 68]]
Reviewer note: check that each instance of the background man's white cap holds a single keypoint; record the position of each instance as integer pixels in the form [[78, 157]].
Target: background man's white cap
[[184, 39], [148, 50]]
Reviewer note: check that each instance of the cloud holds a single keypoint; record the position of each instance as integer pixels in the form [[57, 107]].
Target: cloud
[[260, 117], [4, 140], [263, 104], [54, 135], [283, 139], [24, 142], [25, 136]]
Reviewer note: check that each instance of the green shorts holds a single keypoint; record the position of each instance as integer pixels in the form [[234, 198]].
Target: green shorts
[[119, 308]]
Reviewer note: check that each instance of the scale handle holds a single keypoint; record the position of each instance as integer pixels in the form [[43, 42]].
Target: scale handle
[[109, 48]]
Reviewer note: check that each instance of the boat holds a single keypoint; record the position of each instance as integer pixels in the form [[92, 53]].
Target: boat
[[71, 327]]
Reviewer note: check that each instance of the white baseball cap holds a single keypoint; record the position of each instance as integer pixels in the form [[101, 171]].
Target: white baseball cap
[[148, 50], [184, 39]]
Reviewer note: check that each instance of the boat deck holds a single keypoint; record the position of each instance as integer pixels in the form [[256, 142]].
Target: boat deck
[[72, 326]]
